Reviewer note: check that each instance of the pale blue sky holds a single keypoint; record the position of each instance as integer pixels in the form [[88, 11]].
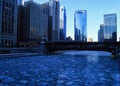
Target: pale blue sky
[[95, 12]]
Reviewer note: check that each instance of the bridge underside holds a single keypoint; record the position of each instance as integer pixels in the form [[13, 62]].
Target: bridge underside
[[73, 45]]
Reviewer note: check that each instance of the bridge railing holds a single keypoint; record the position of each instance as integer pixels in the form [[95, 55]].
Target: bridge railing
[[75, 45]]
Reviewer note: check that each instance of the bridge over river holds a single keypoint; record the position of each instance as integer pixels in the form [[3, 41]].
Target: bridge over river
[[112, 47]]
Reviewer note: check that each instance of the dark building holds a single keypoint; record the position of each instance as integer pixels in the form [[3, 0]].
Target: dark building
[[8, 22], [101, 33], [20, 23], [80, 25], [38, 21], [62, 23], [110, 27], [33, 26], [46, 9]]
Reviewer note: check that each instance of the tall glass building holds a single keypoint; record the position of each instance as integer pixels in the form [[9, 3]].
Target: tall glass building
[[62, 23], [80, 25], [8, 22], [110, 28]]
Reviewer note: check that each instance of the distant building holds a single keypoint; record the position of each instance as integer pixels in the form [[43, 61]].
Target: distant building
[[80, 25], [90, 40], [101, 33], [33, 24], [119, 38], [62, 23], [110, 27], [8, 22]]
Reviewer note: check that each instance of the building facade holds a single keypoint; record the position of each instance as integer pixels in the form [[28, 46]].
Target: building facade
[[110, 27], [34, 23], [8, 22], [101, 33], [54, 21], [20, 2], [62, 23], [80, 25], [37, 22]]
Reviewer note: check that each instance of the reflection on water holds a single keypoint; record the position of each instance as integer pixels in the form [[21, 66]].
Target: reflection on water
[[73, 68], [93, 58]]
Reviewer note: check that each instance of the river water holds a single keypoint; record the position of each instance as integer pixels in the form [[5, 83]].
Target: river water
[[70, 68]]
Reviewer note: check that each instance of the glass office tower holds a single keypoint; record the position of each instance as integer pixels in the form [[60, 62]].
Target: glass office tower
[[110, 28], [80, 24], [62, 23]]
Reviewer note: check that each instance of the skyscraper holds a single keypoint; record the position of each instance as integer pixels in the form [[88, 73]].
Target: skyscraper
[[110, 27], [62, 23], [8, 22], [54, 12], [34, 23], [80, 25], [101, 33]]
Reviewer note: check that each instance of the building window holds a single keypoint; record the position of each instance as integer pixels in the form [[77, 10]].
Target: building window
[[6, 42], [2, 26], [2, 42], [11, 42]]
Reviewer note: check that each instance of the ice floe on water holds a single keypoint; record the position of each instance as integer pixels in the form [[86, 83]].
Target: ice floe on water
[[93, 68], [91, 53]]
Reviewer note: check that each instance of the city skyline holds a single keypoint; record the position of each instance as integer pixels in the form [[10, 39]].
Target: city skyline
[[95, 10]]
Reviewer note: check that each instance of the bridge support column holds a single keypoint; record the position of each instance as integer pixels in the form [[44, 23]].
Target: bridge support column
[[43, 49], [115, 54]]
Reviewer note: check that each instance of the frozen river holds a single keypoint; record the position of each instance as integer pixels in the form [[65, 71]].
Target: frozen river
[[73, 68]]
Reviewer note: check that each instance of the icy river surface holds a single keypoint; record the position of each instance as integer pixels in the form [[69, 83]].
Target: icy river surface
[[70, 68]]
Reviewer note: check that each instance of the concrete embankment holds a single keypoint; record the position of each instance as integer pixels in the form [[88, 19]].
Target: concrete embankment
[[20, 52], [12, 55]]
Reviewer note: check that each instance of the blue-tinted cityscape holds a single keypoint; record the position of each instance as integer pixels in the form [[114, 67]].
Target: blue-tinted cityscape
[[35, 49]]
